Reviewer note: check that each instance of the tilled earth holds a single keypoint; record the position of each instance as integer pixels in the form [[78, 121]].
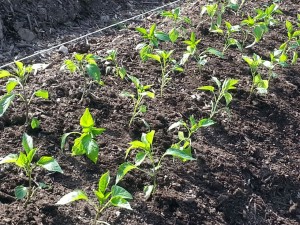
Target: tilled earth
[[247, 167]]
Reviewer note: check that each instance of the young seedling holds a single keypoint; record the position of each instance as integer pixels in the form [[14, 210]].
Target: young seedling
[[113, 65], [115, 197], [85, 64], [229, 40], [85, 144], [185, 138], [258, 83], [146, 152], [141, 91], [165, 60], [260, 23], [23, 160], [152, 38], [212, 10], [16, 86], [220, 93]]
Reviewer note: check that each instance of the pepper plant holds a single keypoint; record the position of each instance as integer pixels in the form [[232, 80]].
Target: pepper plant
[[222, 92], [83, 64], [115, 197], [229, 39], [141, 91], [146, 153], [152, 38], [24, 160], [185, 138], [111, 60], [85, 144], [258, 83], [165, 60], [16, 87]]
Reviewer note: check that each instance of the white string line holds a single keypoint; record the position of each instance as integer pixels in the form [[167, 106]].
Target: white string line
[[89, 34]]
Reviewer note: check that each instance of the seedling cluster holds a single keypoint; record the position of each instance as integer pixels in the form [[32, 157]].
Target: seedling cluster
[[154, 49]]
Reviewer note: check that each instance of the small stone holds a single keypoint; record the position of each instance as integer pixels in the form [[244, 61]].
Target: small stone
[[63, 49], [26, 34]]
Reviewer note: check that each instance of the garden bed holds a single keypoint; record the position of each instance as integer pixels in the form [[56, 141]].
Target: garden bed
[[247, 164]]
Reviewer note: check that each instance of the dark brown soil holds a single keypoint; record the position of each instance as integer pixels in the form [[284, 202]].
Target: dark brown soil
[[248, 163]]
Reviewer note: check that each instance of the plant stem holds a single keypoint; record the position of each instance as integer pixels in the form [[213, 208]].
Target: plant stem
[[29, 194]]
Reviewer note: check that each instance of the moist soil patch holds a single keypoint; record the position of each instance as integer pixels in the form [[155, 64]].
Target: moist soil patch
[[247, 164]]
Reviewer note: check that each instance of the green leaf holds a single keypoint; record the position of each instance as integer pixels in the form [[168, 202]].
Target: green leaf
[[178, 153], [21, 192], [63, 140], [162, 36], [206, 88], [175, 125], [258, 33], [152, 30], [135, 145], [86, 119], [205, 123], [215, 52], [5, 102], [143, 108], [117, 191], [122, 72], [70, 65], [140, 157], [35, 123], [50, 164], [103, 182], [155, 57], [11, 84], [150, 136], [216, 80], [72, 196], [27, 143], [141, 30], [78, 148], [120, 202], [42, 94], [79, 57], [289, 26], [97, 131], [295, 58], [22, 160], [4, 73], [126, 94], [228, 98], [94, 72], [123, 169], [30, 155], [173, 35], [148, 191], [91, 148], [11, 158]]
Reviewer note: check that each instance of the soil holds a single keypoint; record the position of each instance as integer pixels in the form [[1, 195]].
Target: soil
[[247, 167]]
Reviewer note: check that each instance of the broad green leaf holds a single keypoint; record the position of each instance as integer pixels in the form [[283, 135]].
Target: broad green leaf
[[181, 135], [205, 123], [27, 143], [22, 160], [155, 57], [70, 65], [42, 94], [127, 94], [178, 153], [5, 102], [91, 148], [21, 192], [50, 164], [143, 108], [11, 84], [122, 72], [140, 157], [97, 131], [103, 182], [4, 73], [258, 33], [35, 123], [117, 191], [100, 196], [283, 58], [120, 202], [78, 148], [94, 72], [296, 33], [206, 88], [230, 84], [79, 57], [148, 191], [150, 136], [152, 30], [63, 140], [216, 80], [123, 169], [215, 52], [31, 154], [150, 94], [135, 145], [86, 119], [141, 30], [289, 26], [185, 58], [295, 58], [162, 36], [72, 196], [19, 65], [173, 35], [228, 98], [11, 158]]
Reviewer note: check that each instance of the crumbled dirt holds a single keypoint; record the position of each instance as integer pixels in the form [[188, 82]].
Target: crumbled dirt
[[247, 167]]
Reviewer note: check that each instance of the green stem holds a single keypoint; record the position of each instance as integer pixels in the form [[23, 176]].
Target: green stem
[[99, 211], [29, 194]]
